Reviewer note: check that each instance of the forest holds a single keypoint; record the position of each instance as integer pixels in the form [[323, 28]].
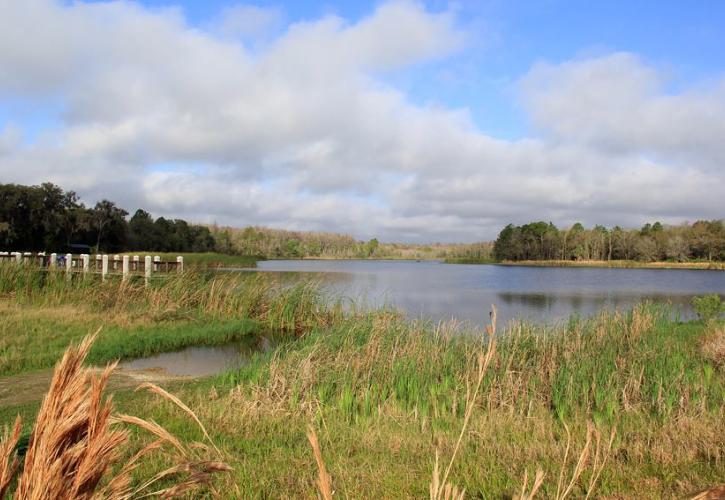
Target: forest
[[702, 240], [47, 218]]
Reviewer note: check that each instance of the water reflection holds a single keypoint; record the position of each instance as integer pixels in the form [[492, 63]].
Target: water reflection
[[439, 291]]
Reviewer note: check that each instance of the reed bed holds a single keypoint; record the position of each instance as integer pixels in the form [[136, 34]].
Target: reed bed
[[623, 404], [211, 294], [44, 311], [549, 401]]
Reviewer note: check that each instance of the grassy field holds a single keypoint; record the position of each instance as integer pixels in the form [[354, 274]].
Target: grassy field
[[386, 396], [626, 264], [207, 259]]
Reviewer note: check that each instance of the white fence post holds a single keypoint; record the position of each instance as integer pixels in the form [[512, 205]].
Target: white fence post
[[157, 263], [104, 268], [135, 263], [19, 257], [180, 263], [69, 263], [126, 260], [53, 259], [147, 268], [86, 262]]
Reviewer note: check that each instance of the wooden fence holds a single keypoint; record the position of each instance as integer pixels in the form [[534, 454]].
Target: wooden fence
[[123, 265]]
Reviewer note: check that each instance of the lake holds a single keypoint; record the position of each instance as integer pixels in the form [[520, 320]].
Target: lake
[[438, 291]]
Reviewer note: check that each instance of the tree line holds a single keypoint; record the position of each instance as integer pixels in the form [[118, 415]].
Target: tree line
[[702, 240], [47, 218], [284, 244]]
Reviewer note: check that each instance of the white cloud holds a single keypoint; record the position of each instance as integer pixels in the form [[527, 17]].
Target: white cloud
[[619, 103], [304, 133]]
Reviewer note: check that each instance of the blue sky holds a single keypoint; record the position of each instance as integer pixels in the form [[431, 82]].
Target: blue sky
[[507, 37], [405, 120]]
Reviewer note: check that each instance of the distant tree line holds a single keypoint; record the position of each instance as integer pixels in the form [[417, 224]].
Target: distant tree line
[[284, 244], [46, 218], [703, 240]]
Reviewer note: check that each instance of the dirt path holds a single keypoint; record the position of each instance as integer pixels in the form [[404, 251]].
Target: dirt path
[[30, 387]]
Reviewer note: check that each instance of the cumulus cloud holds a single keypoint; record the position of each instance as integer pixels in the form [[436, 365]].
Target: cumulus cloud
[[305, 133], [618, 103]]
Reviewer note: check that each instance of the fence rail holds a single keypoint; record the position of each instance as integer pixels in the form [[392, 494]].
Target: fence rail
[[103, 264]]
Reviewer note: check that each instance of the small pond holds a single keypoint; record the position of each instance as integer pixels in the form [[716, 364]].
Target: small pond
[[198, 361]]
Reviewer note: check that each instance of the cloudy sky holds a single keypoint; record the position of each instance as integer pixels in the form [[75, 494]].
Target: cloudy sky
[[409, 121]]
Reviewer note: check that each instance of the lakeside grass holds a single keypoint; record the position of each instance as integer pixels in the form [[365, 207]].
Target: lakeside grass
[[386, 395], [204, 259], [623, 264], [469, 261], [45, 311]]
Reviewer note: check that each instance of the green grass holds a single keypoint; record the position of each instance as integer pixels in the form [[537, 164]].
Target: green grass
[[209, 259], [386, 395], [32, 338], [468, 260]]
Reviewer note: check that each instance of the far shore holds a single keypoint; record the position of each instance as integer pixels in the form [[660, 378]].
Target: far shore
[[622, 264], [618, 264]]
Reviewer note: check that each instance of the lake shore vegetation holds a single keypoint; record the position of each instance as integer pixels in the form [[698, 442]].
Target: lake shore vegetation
[[700, 242], [627, 404]]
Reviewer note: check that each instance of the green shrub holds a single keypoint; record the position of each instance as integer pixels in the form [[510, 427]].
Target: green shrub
[[708, 307]]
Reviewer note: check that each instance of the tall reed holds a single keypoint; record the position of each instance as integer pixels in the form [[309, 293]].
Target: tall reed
[[77, 444]]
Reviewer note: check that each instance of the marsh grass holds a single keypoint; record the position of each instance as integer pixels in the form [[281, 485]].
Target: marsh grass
[[386, 396], [44, 311], [549, 400]]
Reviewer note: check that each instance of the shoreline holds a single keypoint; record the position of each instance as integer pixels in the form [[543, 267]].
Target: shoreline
[[618, 264]]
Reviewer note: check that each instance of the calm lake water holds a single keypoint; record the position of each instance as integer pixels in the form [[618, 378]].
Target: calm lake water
[[438, 291]]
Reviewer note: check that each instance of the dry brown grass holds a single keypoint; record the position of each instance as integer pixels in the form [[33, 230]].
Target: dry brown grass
[[76, 445], [713, 346], [8, 458]]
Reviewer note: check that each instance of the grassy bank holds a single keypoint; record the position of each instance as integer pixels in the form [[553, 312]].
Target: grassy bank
[[626, 264], [206, 259], [468, 261], [386, 395], [44, 311]]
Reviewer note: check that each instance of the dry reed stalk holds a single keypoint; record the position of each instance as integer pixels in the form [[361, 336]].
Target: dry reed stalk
[[8, 457], [601, 456], [324, 482], [440, 488], [76, 441], [538, 481], [155, 389], [443, 491]]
